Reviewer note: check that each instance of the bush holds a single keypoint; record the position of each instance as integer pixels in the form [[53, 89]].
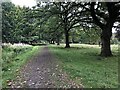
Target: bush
[[9, 53]]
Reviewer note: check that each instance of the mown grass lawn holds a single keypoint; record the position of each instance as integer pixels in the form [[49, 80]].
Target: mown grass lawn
[[13, 58], [84, 65]]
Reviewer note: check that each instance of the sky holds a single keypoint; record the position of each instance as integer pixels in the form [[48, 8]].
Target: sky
[[26, 3]]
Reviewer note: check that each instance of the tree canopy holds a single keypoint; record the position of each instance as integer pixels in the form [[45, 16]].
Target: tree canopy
[[69, 22]]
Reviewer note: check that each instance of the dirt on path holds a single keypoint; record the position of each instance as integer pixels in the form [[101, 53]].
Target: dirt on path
[[43, 72]]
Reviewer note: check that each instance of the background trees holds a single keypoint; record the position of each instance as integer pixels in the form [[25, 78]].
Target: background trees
[[17, 26], [80, 22], [103, 14], [118, 32], [8, 23], [69, 14]]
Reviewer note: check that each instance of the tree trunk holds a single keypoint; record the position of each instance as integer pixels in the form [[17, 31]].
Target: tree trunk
[[105, 42], [53, 42], [49, 41], [67, 39], [58, 40]]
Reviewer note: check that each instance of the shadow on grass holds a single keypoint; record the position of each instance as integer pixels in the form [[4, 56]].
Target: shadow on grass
[[38, 44], [71, 48], [85, 52]]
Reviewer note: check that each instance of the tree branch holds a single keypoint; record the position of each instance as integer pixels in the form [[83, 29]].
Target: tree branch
[[93, 14]]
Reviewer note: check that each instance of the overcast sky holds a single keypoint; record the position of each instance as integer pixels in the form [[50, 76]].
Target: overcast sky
[[26, 3]]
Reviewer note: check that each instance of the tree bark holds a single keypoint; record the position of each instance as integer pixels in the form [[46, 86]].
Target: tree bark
[[67, 39], [66, 30], [58, 40], [105, 42]]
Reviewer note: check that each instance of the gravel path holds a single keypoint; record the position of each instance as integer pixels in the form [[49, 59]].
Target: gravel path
[[43, 72]]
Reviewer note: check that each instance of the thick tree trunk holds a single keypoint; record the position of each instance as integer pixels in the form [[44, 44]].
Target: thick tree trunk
[[105, 48], [67, 39], [105, 40]]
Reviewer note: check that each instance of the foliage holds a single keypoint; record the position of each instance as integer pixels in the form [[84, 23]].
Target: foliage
[[48, 22], [77, 14], [8, 21], [17, 24], [85, 35]]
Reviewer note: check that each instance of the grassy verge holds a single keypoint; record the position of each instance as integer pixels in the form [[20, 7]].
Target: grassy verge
[[13, 59], [84, 65]]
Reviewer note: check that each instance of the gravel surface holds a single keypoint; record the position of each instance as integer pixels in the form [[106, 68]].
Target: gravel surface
[[43, 72]]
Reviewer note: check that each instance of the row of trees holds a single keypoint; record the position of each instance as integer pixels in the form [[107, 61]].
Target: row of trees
[[61, 21], [22, 24], [86, 14]]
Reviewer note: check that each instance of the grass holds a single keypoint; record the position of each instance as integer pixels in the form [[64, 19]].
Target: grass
[[84, 65], [13, 59]]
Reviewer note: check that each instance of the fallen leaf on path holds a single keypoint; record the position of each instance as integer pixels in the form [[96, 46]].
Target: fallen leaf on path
[[53, 74]]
